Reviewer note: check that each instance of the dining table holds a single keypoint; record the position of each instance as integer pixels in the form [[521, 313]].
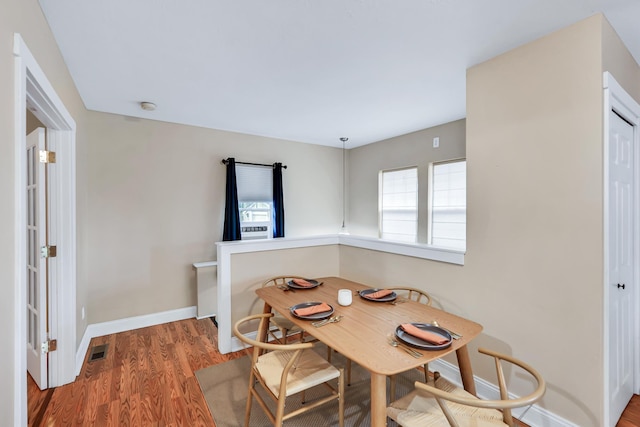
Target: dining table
[[363, 333]]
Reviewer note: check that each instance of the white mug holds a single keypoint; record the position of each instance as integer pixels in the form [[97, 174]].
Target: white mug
[[344, 297]]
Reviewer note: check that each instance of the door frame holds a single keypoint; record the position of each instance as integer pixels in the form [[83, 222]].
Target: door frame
[[616, 98], [33, 91]]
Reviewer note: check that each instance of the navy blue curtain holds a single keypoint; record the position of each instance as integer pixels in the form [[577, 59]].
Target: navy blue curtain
[[231, 213], [278, 201]]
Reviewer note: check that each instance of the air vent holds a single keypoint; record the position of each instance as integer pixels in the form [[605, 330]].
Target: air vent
[[98, 352]]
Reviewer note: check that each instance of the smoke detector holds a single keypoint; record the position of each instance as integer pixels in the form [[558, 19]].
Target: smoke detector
[[148, 106]]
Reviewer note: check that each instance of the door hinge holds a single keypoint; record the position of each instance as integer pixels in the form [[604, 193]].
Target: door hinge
[[47, 156], [48, 251], [49, 345]]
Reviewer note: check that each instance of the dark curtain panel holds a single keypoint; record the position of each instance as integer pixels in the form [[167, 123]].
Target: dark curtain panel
[[278, 201], [231, 213]]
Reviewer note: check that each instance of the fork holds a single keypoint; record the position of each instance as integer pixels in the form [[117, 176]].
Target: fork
[[333, 319], [395, 343], [454, 335]]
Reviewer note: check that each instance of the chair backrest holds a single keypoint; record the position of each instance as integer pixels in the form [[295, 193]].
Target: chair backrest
[[504, 403], [259, 347], [413, 294], [279, 280]]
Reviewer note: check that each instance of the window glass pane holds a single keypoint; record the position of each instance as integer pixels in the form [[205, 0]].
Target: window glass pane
[[399, 205], [449, 205]]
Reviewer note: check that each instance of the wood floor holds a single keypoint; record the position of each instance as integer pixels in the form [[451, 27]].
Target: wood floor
[[147, 379]]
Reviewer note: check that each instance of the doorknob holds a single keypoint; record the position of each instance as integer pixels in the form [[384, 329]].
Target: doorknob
[[620, 286]]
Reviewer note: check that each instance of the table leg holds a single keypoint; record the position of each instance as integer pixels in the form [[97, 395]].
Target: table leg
[[378, 400], [466, 372]]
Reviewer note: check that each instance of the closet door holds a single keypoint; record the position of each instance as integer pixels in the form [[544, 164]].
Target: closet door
[[621, 263]]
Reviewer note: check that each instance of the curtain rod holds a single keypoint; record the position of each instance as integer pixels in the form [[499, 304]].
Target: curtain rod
[[225, 161]]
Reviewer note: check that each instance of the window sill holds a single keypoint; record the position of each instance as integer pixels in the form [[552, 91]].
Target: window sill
[[416, 250]]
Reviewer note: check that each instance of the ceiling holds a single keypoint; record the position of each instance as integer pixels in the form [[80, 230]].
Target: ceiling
[[303, 70]]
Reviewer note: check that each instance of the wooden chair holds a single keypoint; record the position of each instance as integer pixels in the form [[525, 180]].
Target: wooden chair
[[422, 297], [287, 369], [412, 294], [284, 325], [446, 404]]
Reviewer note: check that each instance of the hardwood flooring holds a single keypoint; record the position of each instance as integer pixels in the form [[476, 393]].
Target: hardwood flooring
[[631, 415], [147, 379]]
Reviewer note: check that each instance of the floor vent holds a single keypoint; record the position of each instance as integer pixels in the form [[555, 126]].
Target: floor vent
[[98, 352]]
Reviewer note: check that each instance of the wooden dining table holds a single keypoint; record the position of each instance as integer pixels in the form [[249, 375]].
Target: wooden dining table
[[363, 333]]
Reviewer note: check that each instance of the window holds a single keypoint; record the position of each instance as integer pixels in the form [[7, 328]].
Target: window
[[399, 204], [448, 204], [255, 201]]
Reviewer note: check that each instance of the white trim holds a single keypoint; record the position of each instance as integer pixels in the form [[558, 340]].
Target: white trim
[[533, 415], [20, 292], [32, 88], [205, 264], [226, 249], [615, 97], [128, 324], [416, 250]]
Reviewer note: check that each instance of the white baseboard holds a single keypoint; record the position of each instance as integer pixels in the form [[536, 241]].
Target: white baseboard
[[128, 324], [533, 415]]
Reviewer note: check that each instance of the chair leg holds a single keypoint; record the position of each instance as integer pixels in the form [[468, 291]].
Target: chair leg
[[247, 411], [392, 388], [426, 373], [279, 412], [341, 399]]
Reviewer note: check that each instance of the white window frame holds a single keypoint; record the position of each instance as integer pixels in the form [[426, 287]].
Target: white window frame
[[430, 233], [381, 232]]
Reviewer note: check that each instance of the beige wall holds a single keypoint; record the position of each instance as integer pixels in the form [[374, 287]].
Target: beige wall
[[250, 270], [24, 17], [534, 263], [414, 149], [149, 204], [156, 205]]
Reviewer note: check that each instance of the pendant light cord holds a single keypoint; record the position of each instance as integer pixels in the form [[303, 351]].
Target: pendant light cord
[[344, 180]]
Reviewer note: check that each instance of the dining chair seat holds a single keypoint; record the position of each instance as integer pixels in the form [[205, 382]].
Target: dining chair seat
[[444, 404], [311, 370], [419, 408]]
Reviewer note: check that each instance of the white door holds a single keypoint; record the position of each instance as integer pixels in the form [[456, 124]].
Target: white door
[[36, 264], [621, 267]]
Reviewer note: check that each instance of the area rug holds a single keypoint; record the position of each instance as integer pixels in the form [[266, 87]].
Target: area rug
[[225, 390]]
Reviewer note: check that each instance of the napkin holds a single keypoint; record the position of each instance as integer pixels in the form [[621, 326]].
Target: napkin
[[427, 336], [301, 282], [314, 309], [379, 294]]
